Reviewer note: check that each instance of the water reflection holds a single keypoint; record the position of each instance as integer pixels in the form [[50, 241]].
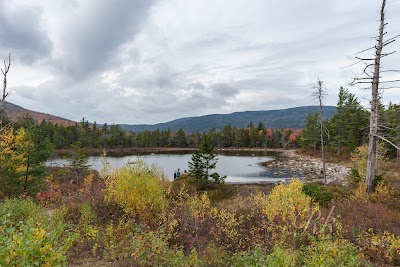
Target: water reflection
[[242, 167]]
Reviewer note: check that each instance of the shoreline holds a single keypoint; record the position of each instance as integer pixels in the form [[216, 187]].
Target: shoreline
[[131, 150], [311, 168], [288, 162]]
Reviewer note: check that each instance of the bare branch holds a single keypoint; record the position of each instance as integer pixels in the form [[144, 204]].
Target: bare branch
[[387, 54], [364, 59], [394, 37], [362, 51], [384, 139], [390, 70], [3, 96], [390, 87], [393, 81], [385, 127]]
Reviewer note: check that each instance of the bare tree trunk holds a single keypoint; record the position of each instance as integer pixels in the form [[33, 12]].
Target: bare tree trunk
[[373, 124], [319, 93], [5, 71], [4, 93], [323, 150]]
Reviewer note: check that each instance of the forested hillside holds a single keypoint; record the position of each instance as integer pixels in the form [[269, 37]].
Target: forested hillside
[[15, 113], [294, 118]]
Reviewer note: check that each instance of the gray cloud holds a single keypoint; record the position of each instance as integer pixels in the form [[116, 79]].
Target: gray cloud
[[90, 36], [152, 61], [22, 34]]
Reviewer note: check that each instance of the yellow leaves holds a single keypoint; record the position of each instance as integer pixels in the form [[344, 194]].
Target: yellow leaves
[[138, 189], [14, 151], [383, 192], [199, 206], [289, 203], [39, 233], [359, 159], [226, 228], [388, 244]]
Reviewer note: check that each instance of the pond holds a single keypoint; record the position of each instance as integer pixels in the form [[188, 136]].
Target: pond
[[239, 167]]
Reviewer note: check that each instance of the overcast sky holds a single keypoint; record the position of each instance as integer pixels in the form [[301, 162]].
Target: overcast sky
[[142, 61]]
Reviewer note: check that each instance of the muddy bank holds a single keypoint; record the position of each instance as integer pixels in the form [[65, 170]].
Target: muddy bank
[[306, 167]]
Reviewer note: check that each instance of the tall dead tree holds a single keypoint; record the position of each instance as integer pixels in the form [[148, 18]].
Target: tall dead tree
[[371, 75], [319, 93], [7, 64]]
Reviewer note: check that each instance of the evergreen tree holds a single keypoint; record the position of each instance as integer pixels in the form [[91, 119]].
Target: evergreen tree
[[22, 158], [203, 160], [77, 161], [391, 129], [310, 135], [180, 138], [348, 127]]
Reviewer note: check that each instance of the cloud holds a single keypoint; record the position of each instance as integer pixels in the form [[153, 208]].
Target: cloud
[[21, 32], [153, 61], [88, 38]]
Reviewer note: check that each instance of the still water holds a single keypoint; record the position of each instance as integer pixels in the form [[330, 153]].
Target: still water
[[238, 167]]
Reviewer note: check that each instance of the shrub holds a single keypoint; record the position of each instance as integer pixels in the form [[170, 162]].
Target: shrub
[[382, 247], [259, 257], [214, 255], [330, 252], [383, 193], [221, 191], [88, 229], [29, 237], [148, 248], [282, 257], [288, 210], [255, 257], [16, 210], [138, 189], [359, 167], [116, 239], [319, 193]]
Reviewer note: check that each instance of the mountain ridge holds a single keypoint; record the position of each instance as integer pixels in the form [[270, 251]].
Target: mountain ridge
[[294, 118], [15, 113]]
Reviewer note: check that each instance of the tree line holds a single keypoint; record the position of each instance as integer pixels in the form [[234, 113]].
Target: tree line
[[345, 131], [92, 135], [349, 128]]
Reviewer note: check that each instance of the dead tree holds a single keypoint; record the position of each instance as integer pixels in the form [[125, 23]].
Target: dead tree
[[7, 64], [319, 93], [371, 75]]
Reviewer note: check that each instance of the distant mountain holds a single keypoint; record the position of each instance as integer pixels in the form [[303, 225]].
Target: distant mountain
[[15, 113], [285, 118]]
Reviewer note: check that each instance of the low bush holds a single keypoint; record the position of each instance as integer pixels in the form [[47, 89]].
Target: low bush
[[259, 257], [319, 193], [139, 190], [381, 247], [330, 252], [30, 237]]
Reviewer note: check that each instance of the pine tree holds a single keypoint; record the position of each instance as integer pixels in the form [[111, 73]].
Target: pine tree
[[22, 158], [348, 126], [77, 161], [310, 135], [203, 160]]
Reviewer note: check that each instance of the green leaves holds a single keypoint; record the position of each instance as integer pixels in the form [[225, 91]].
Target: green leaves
[[22, 158], [203, 160], [29, 237]]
